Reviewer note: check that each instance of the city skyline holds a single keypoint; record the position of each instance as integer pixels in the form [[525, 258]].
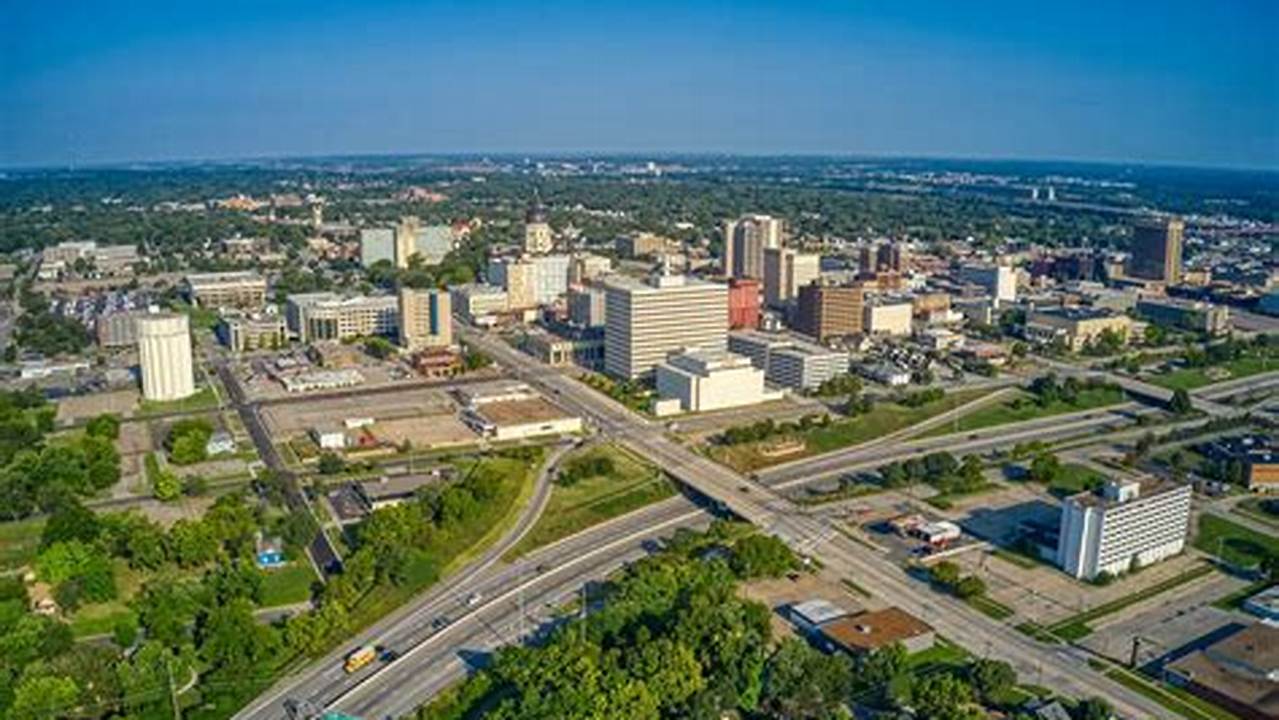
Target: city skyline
[[1180, 83]]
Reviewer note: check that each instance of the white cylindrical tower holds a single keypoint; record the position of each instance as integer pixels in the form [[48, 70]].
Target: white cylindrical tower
[[164, 350]]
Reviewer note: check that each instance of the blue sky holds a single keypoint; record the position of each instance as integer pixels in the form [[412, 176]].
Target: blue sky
[[1131, 81]]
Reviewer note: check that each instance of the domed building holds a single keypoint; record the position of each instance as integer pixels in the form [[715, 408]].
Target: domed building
[[538, 239]]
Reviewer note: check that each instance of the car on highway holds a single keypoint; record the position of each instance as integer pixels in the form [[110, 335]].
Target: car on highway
[[474, 599]]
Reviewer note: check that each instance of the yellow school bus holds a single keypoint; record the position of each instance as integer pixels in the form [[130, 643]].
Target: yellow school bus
[[360, 658]]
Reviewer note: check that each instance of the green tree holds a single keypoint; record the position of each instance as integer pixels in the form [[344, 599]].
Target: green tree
[[44, 696], [1045, 468], [991, 678], [1180, 404], [761, 555], [106, 426], [970, 586]]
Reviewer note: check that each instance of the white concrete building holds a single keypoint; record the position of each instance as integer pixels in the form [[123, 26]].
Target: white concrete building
[[999, 280], [887, 318], [164, 351], [1128, 524], [647, 320], [788, 361], [329, 316], [550, 277], [377, 244], [703, 380], [479, 303]]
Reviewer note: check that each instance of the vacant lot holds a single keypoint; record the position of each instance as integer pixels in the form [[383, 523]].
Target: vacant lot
[[633, 483], [83, 407], [1022, 406], [1233, 543]]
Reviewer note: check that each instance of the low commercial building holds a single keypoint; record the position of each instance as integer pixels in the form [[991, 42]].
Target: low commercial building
[[118, 329], [258, 331], [1237, 673], [887, 317], [704, 380], [108, 260], [874, 630], [1075, 326], [788, 361], [519, 419], [329, 437], [584, 348], [329, 316], [1261, 471], [1194, 315], [320, 380], [389, 491], [1127, 524], [810, 615], [479, 303], [241, 289]]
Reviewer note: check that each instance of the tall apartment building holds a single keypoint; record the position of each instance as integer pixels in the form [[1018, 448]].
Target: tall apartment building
[[647, 320], [329, 316], [1156, 250], [242, 289], [537, 230], [881, 258], [786, 271], [586, 306], [745, 240], [164, 354], [406, 240], [518, 277], [743, 303], [788, 361], [827, 311], [426, 318], [998, 280], [1127, 524]]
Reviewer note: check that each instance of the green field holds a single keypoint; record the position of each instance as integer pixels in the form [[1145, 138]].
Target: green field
[[883, 419], [1021, 407], [1233, 543], [1192, 378], [1259, 509], [633, 484], [19, 542], [288, 585], [203, 399]]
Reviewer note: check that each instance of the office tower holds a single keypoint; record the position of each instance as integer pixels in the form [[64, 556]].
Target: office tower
[[586, 306], [406, 240], [827, 311], [1156, 250], [646, 320], [425, 318], [998, 280], [1125, 525], [786, 271], [518, 277], [377, 244], [537, 230], [743, 303], [745, 241], [329, 316], [164, 351]]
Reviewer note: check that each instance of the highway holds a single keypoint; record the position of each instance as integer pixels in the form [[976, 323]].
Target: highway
[[809, 533], [324, 680]]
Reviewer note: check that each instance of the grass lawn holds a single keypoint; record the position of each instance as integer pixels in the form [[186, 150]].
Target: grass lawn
[[19, 542], [635, 396], [991, 608], [98, 618], [633, 483], [943, 655], [1233, 543], [288, 585], [1021, 407], [1192, 378], [1076, 626], [1075, 478], [944, 501], [203, 399], [883, 419], [1256, 509]]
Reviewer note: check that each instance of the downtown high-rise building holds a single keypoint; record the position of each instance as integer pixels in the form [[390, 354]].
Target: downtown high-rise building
[[1156, 250], [787, 270], [425, 318], [745, 240], [647, 320], [827, 311]]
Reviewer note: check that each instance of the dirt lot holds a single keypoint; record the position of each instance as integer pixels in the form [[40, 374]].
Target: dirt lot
[[83, 407], [287, 420], [425, 432]]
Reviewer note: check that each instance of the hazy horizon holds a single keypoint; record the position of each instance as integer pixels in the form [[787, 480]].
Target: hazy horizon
[[1178, 83]]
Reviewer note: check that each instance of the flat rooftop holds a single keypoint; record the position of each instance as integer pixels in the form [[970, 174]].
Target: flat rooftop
[[868, 631], [519, 412], [1242, 667]]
